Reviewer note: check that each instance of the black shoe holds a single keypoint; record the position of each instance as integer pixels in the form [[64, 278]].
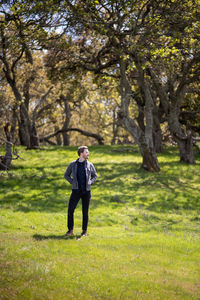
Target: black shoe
[[69, 233], [84, 233]]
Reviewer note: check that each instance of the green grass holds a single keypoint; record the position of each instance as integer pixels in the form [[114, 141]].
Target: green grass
[[144, 228]]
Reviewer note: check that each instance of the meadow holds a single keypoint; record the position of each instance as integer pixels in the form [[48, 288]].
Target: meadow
[[143, 237]]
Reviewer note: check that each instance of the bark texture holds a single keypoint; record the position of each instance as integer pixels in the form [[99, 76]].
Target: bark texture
[[144, 138]]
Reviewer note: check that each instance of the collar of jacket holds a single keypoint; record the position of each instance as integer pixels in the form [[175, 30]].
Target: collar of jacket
[[84, 160]]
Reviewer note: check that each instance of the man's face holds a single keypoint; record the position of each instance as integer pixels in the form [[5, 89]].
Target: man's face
[[85, 154]]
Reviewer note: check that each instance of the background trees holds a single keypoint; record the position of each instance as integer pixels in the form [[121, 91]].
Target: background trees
[[133, 41], [22, 73], [109, 64]]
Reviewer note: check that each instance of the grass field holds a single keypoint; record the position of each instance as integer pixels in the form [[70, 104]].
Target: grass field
[[143, 237]]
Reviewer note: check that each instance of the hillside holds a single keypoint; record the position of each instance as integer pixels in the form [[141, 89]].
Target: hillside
[[144, 228]]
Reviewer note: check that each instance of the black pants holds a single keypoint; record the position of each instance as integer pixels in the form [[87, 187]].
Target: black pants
[[73, 201]]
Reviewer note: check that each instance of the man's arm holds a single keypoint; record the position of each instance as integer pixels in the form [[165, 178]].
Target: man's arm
[[68, 173], [93, 174]]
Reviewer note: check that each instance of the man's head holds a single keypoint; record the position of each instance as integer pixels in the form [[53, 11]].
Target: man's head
[[83, 152]]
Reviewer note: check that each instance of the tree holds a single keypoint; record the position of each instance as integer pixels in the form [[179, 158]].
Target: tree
[[9, 130], [17, 61], [174, 69], [129, 33], [71, 109], [133, 42], [104, 25]]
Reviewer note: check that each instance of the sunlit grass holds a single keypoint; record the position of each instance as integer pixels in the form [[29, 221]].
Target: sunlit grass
[[144, 228]]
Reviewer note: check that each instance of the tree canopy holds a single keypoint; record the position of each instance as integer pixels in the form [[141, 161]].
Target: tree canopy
[[111, 68]]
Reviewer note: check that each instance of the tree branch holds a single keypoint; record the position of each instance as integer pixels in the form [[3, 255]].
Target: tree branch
[[42, 99], [16, 60], [83, 132]]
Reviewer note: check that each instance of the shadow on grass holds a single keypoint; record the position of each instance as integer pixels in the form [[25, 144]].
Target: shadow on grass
[[120, 183], [50, 192], [40, 237]]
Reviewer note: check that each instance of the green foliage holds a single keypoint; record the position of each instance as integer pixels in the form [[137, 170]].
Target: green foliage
[[158, 36], [143, 240]]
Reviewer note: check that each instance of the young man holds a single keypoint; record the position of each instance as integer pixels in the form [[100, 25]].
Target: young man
[[83, 176]]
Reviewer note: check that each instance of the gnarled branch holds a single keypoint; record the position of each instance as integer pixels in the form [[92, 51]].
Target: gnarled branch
[[83, 132]]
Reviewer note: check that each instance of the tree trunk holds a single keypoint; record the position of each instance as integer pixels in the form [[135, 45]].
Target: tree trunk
[[186, 150], [8, 156], [143, 138], [34, 139], [150, 161], [58, 137], [157, 132], [27, 131], [5, 161], [146, 141], [24, 127], [171, 100], [114, 128], [157, 139], [65, 135], [66, 139], [183, 138], [21, 134], [23, 122]]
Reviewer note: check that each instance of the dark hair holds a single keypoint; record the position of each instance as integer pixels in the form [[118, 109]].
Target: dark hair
[[81, 149]]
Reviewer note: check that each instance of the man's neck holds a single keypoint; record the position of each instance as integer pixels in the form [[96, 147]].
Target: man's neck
[[81, 159]]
